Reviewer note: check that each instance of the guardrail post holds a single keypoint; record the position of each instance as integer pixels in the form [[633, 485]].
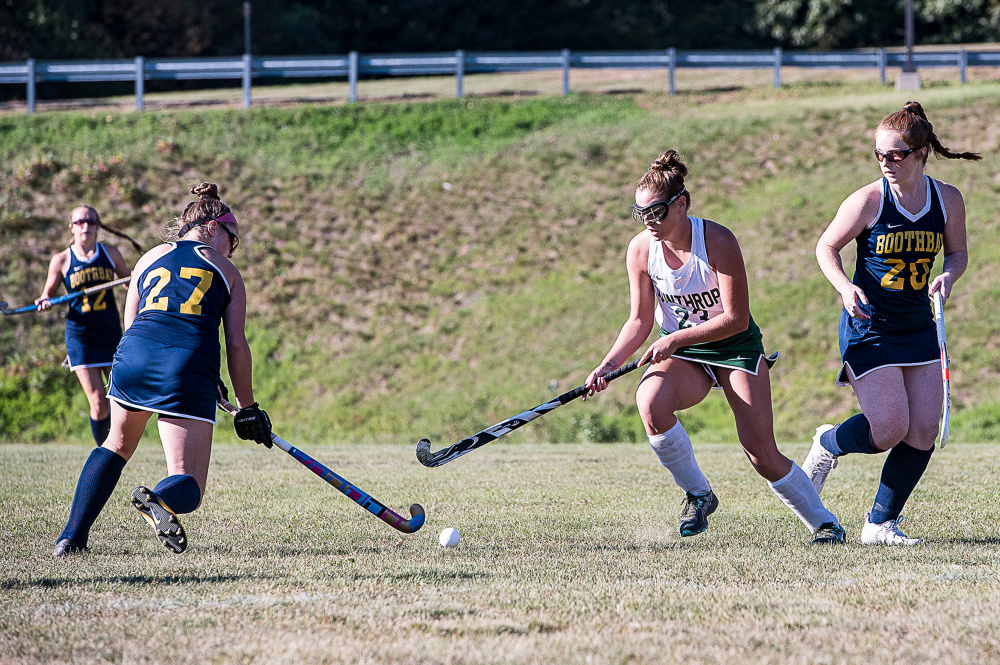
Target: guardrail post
[[777, 67], [352, 76], [882, 58], [672, 64], [247, 67], [565, 70], [31, 85], [140, 81], [963, 63], [459, 72]]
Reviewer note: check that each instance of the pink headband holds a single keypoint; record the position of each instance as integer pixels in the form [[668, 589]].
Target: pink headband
[[229, 218]]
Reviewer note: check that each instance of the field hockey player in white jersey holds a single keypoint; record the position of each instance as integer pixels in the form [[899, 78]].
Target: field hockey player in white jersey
[[888, 340], [687, 275]]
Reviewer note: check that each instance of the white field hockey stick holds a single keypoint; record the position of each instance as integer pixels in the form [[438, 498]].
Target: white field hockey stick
[[945, 378], [351, 491], [65, 298]]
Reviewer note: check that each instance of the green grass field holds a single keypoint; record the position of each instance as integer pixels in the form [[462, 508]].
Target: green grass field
[[569, 554], [429, 268]]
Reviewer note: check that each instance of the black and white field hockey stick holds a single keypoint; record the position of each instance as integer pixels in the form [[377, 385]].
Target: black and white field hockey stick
[[65, 298], [945, 377], [445, 455], [352, 492]]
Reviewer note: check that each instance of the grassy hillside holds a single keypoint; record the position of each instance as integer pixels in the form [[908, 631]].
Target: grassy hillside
[[432, 268]]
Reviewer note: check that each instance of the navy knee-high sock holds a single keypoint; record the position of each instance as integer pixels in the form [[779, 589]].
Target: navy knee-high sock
[[854, 435], [903, 468], [97, 481], [181, 493], [100, 429]]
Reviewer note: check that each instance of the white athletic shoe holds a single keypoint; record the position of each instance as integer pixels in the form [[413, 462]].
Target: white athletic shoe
[[886, 533], [820, 461]]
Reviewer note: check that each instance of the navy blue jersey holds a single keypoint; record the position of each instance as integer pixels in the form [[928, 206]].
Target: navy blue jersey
[[895, 257], [182, 296], [92, 319]]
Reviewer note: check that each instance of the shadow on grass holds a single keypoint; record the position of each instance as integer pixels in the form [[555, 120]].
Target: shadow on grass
[[962, 541], [135, 580]]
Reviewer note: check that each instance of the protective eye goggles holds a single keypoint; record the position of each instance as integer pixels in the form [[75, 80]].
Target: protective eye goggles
[[655, 211], [234, 240], [893, 155]]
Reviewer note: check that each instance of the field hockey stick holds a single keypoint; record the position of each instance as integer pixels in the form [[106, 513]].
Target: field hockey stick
[[352, 492], [65, 298], [945, 378], [445, 455]]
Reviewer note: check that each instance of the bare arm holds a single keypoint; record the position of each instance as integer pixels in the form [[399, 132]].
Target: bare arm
[[956, 249], [853, 216], [642, 304], [238, 358], [121, 268], [726, 260], [53, 279]]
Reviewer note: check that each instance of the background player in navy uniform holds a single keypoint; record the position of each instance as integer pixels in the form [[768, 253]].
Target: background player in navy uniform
[[687, 274], [887, 334], [92, 324], [168, 363]]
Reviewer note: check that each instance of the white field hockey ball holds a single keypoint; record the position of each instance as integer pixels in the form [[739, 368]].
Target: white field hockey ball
[[449, 537]]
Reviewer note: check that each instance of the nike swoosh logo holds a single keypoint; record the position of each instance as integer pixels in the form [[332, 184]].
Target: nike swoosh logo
[[890, 226], [741, 358]]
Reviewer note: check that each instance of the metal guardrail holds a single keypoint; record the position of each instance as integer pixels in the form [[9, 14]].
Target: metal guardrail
[[459, 63]]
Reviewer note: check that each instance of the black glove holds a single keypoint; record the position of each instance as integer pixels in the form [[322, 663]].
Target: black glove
[[252, 424], [223, 390]]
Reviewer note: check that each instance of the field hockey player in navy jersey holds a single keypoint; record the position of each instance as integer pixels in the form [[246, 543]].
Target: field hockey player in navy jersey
[[168, 363], [686, 275], [93, 328], [888, 339]]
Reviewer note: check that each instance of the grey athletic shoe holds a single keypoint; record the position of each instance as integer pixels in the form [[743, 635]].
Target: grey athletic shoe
[[829, 533], [820, 461], [886, 533], [161, 518], [694, 514], [66, 547]]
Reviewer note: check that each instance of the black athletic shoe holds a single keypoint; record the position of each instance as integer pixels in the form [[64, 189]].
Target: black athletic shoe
[[694, 514], [67, 546], [161, 518], [829, 533]]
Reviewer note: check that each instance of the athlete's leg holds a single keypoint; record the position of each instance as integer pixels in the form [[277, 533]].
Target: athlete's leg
[[667, 387], [99, 476], [749, 397], [924, 396], [92, 381], [187, 445], [127, 427], [882, 396], [906, 462]]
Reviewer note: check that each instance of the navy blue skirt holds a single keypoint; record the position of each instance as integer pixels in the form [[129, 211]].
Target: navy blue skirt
[[864, 349], [152, 376], [88, 350]]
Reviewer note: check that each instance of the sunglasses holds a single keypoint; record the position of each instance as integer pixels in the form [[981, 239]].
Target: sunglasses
[[81, 222], [234, 240], [655, 211], [893, 155]]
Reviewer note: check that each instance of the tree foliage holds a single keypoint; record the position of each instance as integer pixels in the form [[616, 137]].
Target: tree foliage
[[55, 29], [833, 24]]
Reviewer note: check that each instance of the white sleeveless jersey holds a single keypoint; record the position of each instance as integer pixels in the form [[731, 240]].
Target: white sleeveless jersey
[[689, 295]]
